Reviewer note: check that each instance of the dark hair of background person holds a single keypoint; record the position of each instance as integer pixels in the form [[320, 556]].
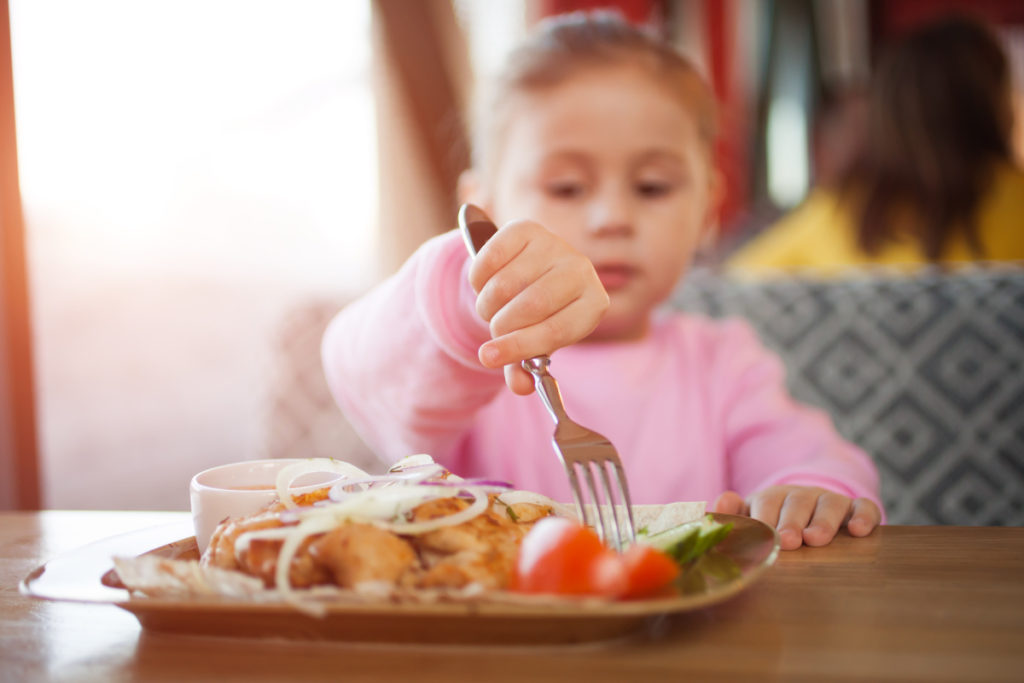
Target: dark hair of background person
[[939, 121]]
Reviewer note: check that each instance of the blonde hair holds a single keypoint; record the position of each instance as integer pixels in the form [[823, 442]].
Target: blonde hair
[[564, 45]]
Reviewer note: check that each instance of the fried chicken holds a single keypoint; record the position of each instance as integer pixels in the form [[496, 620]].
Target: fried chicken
[[355, 552], [480, 551]]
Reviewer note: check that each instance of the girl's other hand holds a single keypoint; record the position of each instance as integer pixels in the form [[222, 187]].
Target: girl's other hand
[[537, 293], [804, 514]]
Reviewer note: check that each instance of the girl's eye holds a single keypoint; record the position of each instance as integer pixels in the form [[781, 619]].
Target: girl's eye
[[653, 188], [565, 190]]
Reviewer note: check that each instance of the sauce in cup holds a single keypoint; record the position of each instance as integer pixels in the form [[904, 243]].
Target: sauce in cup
[[242, 488]]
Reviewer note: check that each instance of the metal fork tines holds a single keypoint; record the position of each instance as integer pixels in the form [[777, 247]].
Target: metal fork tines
[[585, 449]]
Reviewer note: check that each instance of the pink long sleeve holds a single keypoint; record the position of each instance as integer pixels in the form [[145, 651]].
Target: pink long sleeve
[[695, 408], [402, 360], [770, 438]]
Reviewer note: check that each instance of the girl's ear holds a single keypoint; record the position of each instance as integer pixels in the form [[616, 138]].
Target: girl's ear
[[716, 195], [470, 188]]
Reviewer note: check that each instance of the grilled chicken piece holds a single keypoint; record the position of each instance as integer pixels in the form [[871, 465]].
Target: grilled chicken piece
[[482, 550], [492, 570], [221, 550], [260, 560], [355, 552]]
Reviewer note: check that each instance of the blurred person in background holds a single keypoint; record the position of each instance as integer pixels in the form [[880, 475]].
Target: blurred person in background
[[838, 131], [935, 181]]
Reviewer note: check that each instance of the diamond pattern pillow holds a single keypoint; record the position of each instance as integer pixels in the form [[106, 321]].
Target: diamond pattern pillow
[[303, 421]]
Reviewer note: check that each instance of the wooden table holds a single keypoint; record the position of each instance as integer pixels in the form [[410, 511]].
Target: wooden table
[[907, 603]]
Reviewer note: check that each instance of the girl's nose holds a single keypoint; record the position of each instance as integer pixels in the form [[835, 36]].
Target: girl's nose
[[610, 215]]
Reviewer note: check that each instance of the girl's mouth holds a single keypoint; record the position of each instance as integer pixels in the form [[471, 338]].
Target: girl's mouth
[[615, 276]]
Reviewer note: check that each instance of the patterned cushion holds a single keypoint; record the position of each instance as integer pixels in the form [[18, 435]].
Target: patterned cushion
[[924, 372], [304, 421]]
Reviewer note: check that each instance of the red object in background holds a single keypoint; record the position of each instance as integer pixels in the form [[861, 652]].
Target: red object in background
[[730, 148], [636, 11]]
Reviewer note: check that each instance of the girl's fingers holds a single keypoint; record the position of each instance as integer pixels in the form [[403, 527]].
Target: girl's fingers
[[538, 294], [864, 517], [797, 508], [518, 380], [504, 247], [509, 283], [730, 503], [570, 324], [829, 514], [545, 297], [766, 504], [516, 258]]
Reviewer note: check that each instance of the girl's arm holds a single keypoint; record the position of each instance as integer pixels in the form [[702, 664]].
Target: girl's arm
[[407, 362], [786, 459], [401, 361]]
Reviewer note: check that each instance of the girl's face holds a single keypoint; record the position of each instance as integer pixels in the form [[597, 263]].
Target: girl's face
[[612, 162]]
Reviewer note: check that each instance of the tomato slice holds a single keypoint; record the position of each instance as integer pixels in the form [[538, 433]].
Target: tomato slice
[[561, 557], [649, 571]]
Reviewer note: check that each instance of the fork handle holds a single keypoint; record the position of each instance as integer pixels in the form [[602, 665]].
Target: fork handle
[[546, 386]]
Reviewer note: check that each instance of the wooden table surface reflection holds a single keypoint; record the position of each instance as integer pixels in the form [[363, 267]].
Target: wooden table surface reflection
[[907, 603]]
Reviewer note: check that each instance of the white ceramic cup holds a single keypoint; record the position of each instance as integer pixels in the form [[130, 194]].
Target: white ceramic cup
[[242, 488]]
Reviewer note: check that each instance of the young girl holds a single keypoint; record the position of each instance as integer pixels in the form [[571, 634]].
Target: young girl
[[595, 160]]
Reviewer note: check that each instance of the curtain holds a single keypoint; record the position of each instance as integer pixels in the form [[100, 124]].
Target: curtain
[[19, 466], [421, 77]]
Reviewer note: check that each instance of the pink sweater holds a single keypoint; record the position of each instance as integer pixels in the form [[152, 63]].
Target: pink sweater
[[696, 408]]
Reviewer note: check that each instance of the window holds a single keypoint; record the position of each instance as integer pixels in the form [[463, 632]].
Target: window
[[189, 172]]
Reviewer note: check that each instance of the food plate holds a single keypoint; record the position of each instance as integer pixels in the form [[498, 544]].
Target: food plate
[[86, 575]]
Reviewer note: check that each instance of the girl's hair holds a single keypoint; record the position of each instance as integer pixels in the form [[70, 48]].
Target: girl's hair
[[939, 119], [566, 44]]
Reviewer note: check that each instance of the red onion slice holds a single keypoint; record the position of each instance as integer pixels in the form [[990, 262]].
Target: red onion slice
[[463, 483], [422, 473]]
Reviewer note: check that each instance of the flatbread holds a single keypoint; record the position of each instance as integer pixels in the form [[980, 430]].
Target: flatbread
[[652, 518]]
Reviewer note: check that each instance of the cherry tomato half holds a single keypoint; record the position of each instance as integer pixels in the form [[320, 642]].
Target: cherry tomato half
[[562, 557], [648, 571]]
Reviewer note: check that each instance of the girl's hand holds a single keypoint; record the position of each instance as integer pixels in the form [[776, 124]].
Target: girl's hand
[[538, 294], [804, 514]]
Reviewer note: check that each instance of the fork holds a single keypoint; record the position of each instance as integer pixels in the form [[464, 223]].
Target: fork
[[575, 445]]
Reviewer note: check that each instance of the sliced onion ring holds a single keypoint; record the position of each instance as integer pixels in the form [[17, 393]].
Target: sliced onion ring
[[412, 461], [292, 472], [421, 474], [475, 509]]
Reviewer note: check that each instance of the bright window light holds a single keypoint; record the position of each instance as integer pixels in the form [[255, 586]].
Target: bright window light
[[192, 171], [788, 165]]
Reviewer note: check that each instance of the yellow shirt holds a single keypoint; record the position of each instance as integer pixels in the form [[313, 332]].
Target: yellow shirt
[[819, 235]]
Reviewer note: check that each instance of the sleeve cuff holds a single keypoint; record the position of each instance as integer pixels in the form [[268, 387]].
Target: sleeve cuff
[[447, 302]]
